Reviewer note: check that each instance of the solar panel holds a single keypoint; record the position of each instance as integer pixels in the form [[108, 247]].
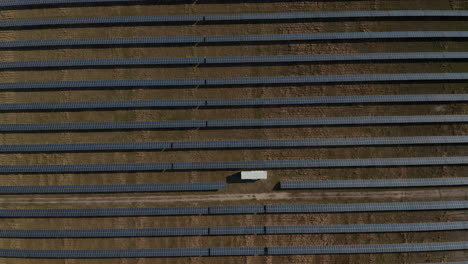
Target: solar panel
[[332, 142], [88, 63], [179, 124], [386, 183], [230, 165], [367, 228], [35, 3], [225, 210], [242, 209], [401, 77], [102, 105], [238, 251], [365, 207], [99, 63], [97, 233], [65, 43], [104, 212], [236, 123], [335, 121], [368, 99], [129, 146], [423, 98], [105, 253], [338, 57], [237, 230], [247, 251], [81, 168], [341, 14], [338, 36], [339, 163], [117, 188], [236, 81], [97, 21], [99, 84], [362, 249]]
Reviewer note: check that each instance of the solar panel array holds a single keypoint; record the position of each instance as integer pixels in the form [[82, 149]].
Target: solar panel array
[[360, 249], [274, 80], [97, 21], [340, 36], [235, 144], [386, 183], [229, 210], [233, 60], [237, 123], [234, 165], [33, 3], [242, 251], [235, 230], [251, 102], [120, 188]]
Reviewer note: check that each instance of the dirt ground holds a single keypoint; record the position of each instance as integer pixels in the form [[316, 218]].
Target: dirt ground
[[262, 192]]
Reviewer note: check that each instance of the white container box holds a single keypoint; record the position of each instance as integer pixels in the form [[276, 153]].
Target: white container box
[[254, 175]]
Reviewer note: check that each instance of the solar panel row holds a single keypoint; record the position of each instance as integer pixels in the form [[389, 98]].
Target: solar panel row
[[341, 36], [274, 80], [245, 251], [98, 21], [232, 60], [356, 249], [31, 3], [370, 99], [278, 80], [236, 123], [120, 188], [423, 182], [227, 210], [236, 230], [234, 165]]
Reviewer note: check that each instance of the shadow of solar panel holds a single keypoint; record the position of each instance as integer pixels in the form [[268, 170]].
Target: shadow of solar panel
[[99, 84], [107, 253], [117, 188], [356, 249], [89, 233], [367, 228], [104, 212], [374, 183], [241, 251], [179, 124], [366, 207], [242, 209], [237, 230]]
